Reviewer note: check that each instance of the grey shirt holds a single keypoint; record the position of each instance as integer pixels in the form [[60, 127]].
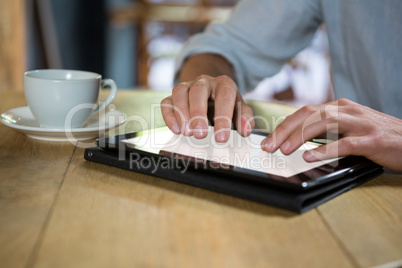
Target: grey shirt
[[365, 41]]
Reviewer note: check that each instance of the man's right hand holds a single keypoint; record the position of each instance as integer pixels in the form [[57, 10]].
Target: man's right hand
[[185, 111]]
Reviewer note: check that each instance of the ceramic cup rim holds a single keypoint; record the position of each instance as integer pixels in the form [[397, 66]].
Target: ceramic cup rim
[[41, 74]]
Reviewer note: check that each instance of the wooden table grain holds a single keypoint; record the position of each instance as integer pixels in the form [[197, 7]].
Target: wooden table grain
[[58, 210]]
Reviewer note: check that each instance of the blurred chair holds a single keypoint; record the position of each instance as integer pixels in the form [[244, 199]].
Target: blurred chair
[[12, 44]]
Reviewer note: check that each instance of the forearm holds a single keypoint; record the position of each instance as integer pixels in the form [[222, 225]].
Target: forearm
[[207, 64]]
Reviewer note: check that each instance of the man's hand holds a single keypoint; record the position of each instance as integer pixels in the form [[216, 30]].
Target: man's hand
[[185, 111], [362, 131]]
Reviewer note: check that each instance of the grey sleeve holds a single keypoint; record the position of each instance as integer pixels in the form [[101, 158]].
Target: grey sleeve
[[258, 38]]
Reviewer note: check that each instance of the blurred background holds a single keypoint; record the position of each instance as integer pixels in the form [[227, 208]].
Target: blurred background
[[132, 41], [135, 42]]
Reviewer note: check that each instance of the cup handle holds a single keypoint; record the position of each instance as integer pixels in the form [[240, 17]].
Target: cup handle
[[112, 95]]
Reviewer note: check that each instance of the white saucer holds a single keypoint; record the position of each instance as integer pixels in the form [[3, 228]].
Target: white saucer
[[21, 119]]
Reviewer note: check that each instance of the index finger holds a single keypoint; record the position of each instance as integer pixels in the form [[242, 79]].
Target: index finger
[[198, 101], [225, 100], [279, 137]]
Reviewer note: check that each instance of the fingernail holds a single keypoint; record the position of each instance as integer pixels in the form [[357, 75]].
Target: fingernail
[[176, 129], [308, 156], [267, 144], [199, 131], [221, 136], [285, 146]]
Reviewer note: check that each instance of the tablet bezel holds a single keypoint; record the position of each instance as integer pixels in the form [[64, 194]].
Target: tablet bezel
[[301, 181]]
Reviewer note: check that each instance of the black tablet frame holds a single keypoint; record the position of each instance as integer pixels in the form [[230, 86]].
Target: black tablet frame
[[347, 166]]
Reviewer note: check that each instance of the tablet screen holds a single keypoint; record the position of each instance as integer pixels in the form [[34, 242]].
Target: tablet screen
[[237, 152]]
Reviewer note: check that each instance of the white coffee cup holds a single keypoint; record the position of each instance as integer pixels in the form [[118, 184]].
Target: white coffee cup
[[52, 95]]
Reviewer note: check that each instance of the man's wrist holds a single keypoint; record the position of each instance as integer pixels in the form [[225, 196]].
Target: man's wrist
[[205, 64]]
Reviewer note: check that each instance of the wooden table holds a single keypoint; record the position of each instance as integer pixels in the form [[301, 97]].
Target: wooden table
[[58, 210]]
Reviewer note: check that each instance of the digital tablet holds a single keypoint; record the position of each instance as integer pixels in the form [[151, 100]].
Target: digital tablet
[[239, 157]]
